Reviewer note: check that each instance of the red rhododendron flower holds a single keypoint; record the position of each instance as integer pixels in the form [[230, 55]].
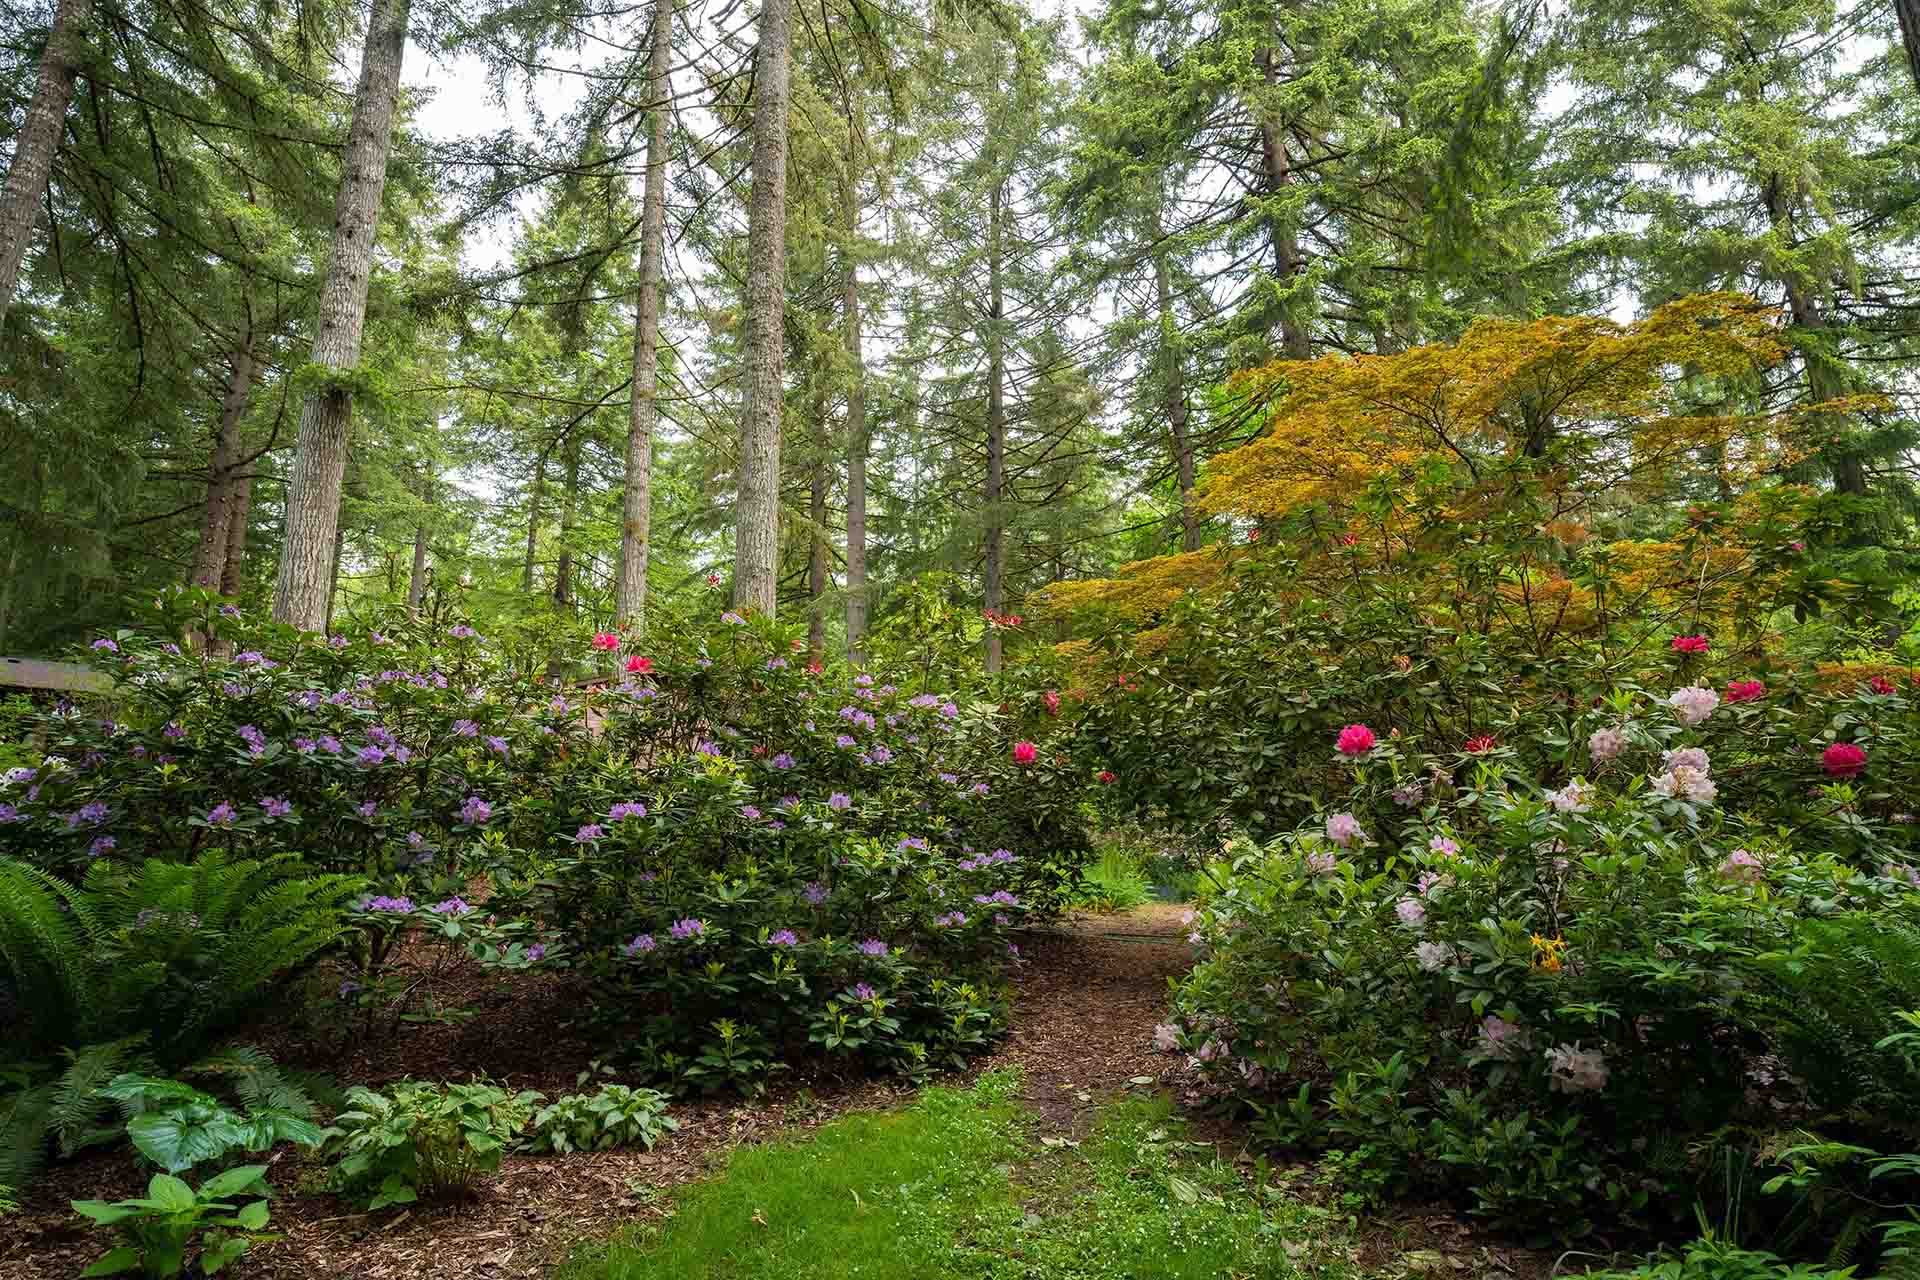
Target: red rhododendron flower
[[1485, 742], [814, 668], [1052, 700], [1689, 644], [1024, 752], [1880, 684], [1108, 777], [606, 640], [640, 665], [1355, 740], [1843, 759], [1746, 691], [1349, 539]]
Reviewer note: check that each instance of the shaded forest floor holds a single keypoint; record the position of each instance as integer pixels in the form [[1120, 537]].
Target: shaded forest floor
[[1087, 999]]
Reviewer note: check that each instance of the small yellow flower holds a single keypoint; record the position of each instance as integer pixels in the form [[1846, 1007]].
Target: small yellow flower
[[1549, 954]]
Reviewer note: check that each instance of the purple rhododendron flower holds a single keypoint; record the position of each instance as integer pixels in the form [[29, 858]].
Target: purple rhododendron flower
[[839, 800], [783, 938], [498, 746], [536, 952], [221, 815], [782, 761], [626, 809], [454, 906], [750, 812], [475, 811], [101, 846], [688, 928], [370, 755], [592, 831], [863, 991], [911, 842], [276, 806], [466, 729], [815, 892], [641, 944], [872, 947]]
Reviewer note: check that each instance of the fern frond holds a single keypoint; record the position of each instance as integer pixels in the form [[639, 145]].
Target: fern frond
[[73, 1116]]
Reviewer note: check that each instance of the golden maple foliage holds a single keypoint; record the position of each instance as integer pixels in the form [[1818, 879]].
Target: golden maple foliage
[[1580, 414]]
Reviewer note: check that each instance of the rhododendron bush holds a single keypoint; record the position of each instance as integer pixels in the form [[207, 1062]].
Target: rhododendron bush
[[1558, 1003], [744, 857]]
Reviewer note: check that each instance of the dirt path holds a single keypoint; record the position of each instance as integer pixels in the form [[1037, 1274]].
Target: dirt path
[[1087, 999]]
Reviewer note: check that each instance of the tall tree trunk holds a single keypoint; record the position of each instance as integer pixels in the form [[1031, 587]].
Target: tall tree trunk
[[39, 138], [569, 504], [756, 539], [534, 498], [333, 577], [643, 405], [210, 556], [320, 456], [417, 580], [857, 604], [1296, 342], [1909, 14], [1174, 389], [1826, 378], [996, 424], [233, 571], [817, 567]]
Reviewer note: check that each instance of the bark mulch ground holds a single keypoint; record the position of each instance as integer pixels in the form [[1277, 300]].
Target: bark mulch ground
[[1087, 998], [1083, 1021]]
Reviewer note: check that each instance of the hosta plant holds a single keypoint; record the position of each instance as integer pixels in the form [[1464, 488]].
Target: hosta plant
[[420, 1140], [160, 1229], [615, 1116]]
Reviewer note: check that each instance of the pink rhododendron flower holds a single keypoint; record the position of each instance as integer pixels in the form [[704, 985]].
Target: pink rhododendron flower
[[1499, 1038], [640, 665], [1686, 783], [1575, 797], [1843, 760], [1355, 740], [1742, 866], [1052, 700], [1411, 912], [1690, 757], [1576, 1070], [1880, 684], [1108, 777], [1746, 691], [1433, 956], [1441, 844], [1693, 703], [1343, 829], [1025, 753], [1689, 644], [1605, 744], [606, 640]]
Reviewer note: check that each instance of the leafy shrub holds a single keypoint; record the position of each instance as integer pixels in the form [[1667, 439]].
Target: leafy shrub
[[1114, 882], [615, 1116], [173, 1217], [424, 1140], [1511, 1012], [1713, 1259], [177, 1126], [172, 952]]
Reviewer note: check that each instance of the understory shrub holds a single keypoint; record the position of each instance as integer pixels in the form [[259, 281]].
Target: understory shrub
[[614, 1116], [174, 1217], [1556, 1002], [420, 1140]]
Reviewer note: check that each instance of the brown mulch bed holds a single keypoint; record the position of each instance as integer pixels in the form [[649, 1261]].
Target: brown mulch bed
[[1086, 1001]]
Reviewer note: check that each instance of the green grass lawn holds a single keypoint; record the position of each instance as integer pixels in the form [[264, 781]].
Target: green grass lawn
[[956, 1186]]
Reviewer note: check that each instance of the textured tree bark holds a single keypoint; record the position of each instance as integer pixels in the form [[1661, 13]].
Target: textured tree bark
[[1909, 13], [1174, 388], [569, 504], [817, 568], [994, 533], [301, 597], [643, 404], [1296, 343], [233, 572], [210, 555], [333, 577], [857, 604], [756, 538], [38, 140]]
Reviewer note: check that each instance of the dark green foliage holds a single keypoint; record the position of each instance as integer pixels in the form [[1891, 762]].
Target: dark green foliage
[[1831, 1005], [159, 1228], [177, 952]]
